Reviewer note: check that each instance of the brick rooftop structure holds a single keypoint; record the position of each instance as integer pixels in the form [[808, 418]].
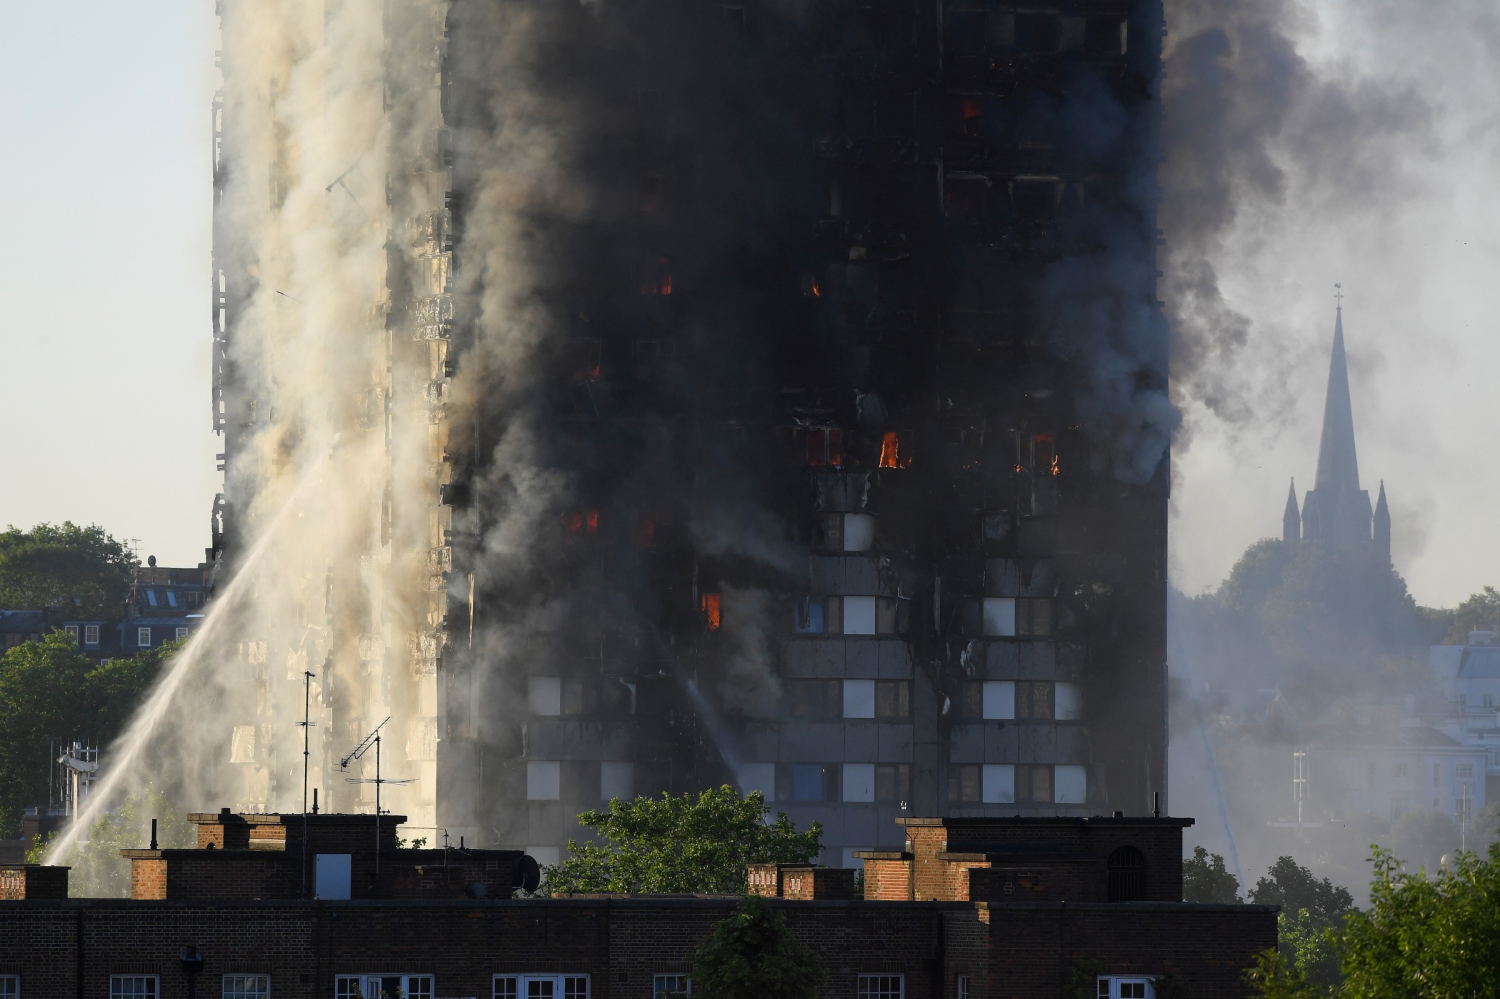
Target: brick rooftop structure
[[432, 942]]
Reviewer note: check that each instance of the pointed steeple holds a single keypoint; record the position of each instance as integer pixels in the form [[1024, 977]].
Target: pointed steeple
[[1291, 520], [1338, 470], [1382, 528]]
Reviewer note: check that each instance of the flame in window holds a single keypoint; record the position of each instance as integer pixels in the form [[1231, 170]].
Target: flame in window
[[710, 605], [573, 523]]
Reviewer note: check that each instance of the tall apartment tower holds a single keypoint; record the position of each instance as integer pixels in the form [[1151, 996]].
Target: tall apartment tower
[[793, 385]]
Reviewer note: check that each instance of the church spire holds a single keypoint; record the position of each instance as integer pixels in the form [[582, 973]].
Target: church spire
[[1338, 471], [1382, 528], [1291, 520]]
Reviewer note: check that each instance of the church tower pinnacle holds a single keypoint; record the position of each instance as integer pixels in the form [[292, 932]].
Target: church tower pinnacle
[[1291, 520], [1383, 528], [1336, 510]]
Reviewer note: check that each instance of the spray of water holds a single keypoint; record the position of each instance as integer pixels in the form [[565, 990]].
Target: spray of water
[[717, 731], [124, 755]]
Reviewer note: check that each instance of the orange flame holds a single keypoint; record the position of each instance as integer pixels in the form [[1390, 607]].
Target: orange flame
[[710, 605], [593, 522], [889, 450]]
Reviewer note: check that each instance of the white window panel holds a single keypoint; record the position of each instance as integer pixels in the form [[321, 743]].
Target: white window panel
[[1068, 702], [998, 783], [544, 695], [1126, 988], [143, 637], [671, 986], [999, 616], [91, 634], [247, 987], [369, 986], [758, 777], [616, 780], [540, 986], [1070, 785], [859, 782], [543, 780], [882, 987], [859, 532], [859, 698], [72, 632], [133, 987], [10, 987], [181, 634], [859, 615], [999, 699]]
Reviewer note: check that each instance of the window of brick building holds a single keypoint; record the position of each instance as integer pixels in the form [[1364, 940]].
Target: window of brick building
[[72, 630], [1463, 771], [671, 986], [963, 987], [1127, 881], [881, 986], [182, 633], [133, 986], [91, 634], [143, 637], [10, 987], [247, 987], [1115, 987], [541, 987], [382, 986], [892, 782]]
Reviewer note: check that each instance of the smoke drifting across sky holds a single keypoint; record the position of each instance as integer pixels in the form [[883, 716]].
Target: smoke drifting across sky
[[1309, 144]]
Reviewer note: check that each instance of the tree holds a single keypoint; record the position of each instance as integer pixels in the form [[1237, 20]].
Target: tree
[[1480, 612], [1425, 938], [686, 844], [753, 955], [50, 691], [1294, 888], [98, 869], [1204, 879], [81, 570]]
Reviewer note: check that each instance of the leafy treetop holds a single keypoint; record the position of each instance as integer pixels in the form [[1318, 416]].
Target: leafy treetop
[[1294, 888], [79, 569], [1205, 879], [699, 843], [753, 955]]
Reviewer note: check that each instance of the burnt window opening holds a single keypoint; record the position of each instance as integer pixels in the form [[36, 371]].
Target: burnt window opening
[[820, 446], [964, 783], [709, 605], [1034, 784], [964, 199], [811, 287], [896, 449], [649, 358], [971, 116], [1035, 199], [1037, 453], [1034, 618], [656, 277], [995, 528], [645, 532], [807, 782], [813, 700], [807, 617], [1036, 34], [963, 448], [1127, 875], [1105, 36], [581, 523], [892, 782], [585, 358]]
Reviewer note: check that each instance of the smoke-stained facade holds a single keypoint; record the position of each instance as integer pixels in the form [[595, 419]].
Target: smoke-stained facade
[[654, 395]]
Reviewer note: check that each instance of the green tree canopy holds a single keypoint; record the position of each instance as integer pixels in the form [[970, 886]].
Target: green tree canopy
[[1422, 938], [1480, 612], [753, 955], [82, 570], [49, 690], [695, 843], [1204, 879], [1293, 887]]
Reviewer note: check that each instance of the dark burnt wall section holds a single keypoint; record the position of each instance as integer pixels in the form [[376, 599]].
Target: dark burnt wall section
[[844, 390]]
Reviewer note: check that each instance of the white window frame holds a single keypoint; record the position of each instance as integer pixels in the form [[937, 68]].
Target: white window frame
[[246, 987], [118, 985], [91, 634], [1109, 985], [143, 638], [72, 632], [10, 987], [961, 987], [182, 633], [669, 985], [877, 986], [342, 985], [518, 986]]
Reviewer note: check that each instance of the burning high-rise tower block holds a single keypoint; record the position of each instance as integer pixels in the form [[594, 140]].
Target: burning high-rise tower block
[[654, 395]]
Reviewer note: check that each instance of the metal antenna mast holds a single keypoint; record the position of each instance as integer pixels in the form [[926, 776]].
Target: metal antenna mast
[[306, 723], [373, 739]]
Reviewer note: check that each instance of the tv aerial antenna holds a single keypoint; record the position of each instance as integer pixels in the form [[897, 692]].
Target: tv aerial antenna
[[372, 740]]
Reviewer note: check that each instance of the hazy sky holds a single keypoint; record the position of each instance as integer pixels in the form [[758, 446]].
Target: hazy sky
[[104, 344]]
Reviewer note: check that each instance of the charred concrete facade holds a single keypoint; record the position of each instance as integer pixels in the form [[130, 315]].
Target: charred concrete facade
[[818, 442]]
